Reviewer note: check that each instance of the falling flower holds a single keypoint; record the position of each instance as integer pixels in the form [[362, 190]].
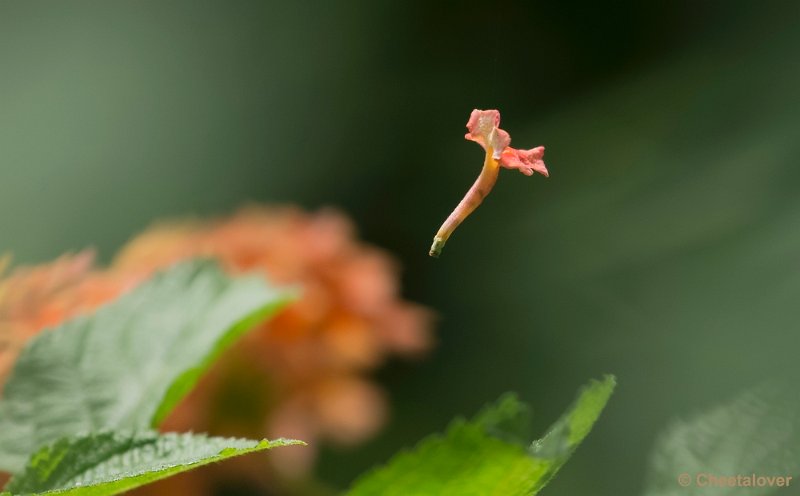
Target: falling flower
[[483, 127]]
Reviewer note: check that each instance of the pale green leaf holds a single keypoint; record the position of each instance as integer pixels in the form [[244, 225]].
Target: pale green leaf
[[111, 463], [487, 456], [128, 364], [756, 433]]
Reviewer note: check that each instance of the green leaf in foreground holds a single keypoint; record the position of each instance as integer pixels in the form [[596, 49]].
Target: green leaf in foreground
[[128, 364], [756, 433], [111, 462], [485, 456]]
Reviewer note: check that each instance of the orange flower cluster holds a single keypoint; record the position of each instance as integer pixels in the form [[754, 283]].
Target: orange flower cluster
[[299, 375]]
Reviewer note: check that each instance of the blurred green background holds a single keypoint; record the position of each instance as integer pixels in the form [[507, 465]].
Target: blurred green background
[[664, 248]]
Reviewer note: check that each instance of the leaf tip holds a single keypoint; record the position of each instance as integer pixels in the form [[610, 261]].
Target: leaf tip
[[274, 443]]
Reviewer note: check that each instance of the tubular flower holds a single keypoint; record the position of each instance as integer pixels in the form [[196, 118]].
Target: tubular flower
[[483, 127]]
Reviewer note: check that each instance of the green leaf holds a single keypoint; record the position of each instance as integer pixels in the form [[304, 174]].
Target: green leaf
[[572, 428], [128, 364], [112, 462], [487, 455], [756, 433]]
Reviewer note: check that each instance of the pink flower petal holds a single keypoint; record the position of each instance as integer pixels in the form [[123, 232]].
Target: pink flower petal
[[525, 161], [483, 129]]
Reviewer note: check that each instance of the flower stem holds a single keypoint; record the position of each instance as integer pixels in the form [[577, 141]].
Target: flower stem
[[482, 186]]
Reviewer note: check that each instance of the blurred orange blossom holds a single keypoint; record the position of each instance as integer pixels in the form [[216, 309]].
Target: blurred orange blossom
[[301, 374]]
